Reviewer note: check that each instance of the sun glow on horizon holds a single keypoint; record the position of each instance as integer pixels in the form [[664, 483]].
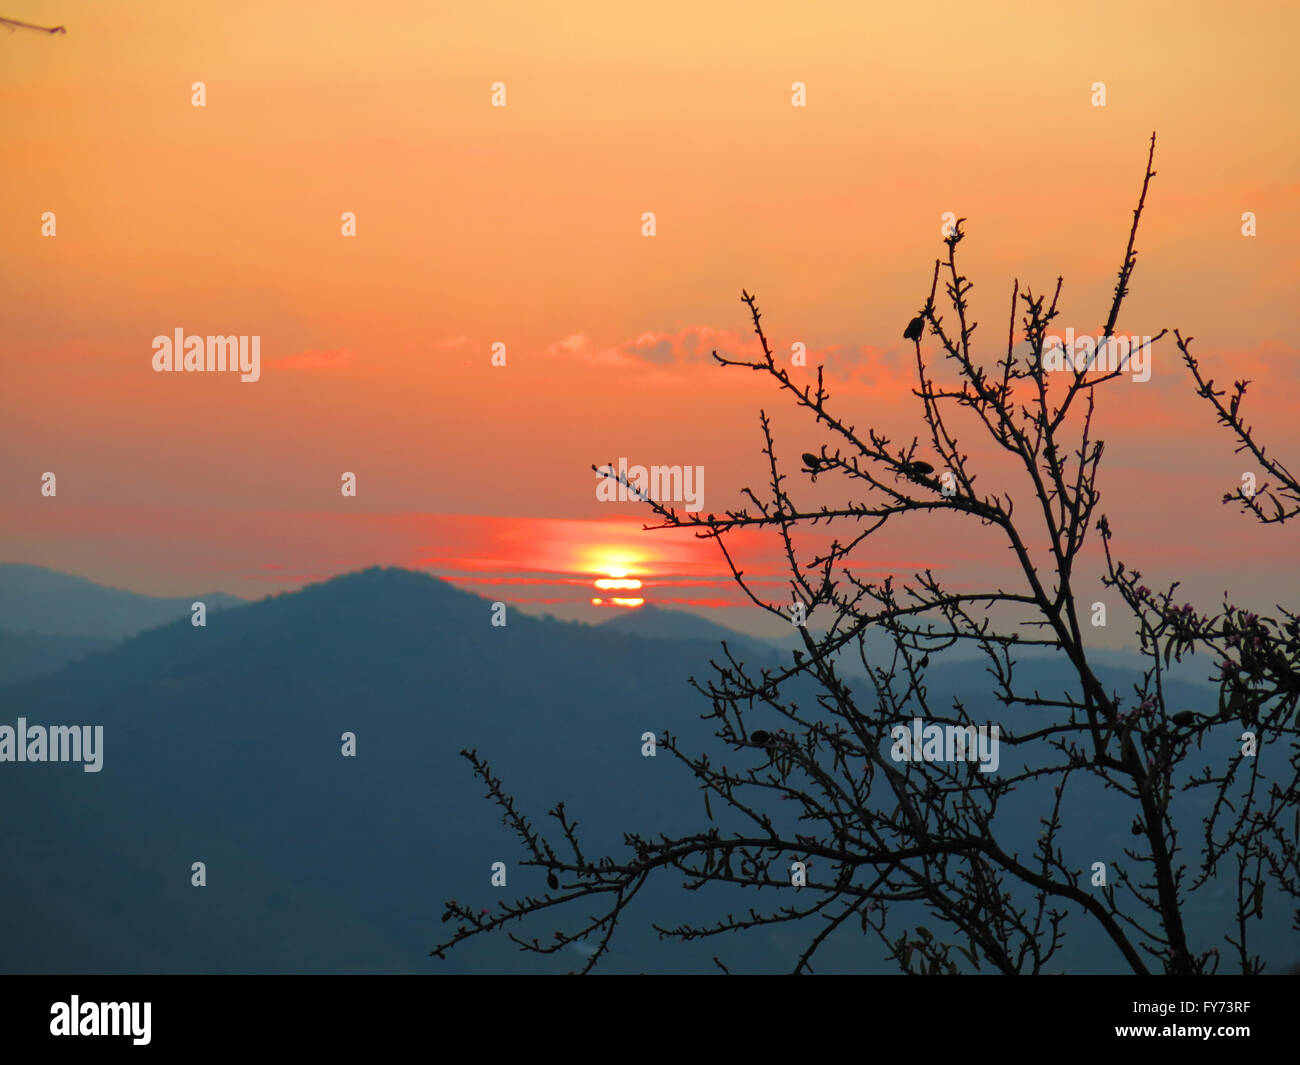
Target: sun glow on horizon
[[618, 565], [617, 582]]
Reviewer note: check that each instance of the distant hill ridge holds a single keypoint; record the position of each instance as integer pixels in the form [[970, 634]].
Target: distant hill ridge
[[223, 745], [34, 599]]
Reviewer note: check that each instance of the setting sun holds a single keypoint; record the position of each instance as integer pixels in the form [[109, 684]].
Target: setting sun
[[626, 603], [617, 581]]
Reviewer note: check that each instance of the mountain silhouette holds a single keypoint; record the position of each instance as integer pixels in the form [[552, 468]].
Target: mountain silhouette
[[47, 602], [657, 623], [222, 745], [25, 655]]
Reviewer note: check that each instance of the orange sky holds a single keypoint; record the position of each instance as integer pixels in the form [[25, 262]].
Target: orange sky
[[522, 224]]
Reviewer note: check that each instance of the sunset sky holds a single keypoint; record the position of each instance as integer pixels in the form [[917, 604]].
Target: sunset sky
[[522, 225]]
